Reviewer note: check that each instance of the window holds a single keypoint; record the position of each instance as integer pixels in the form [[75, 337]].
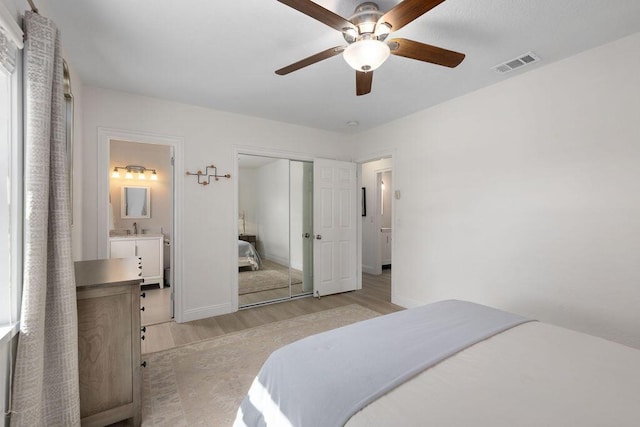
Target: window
[[10, 192], [5, 197]]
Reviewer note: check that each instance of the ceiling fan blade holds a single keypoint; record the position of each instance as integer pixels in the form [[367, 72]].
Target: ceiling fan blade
[[363, 82], [407, 11], [319, 13], [325, 54], [425, 52]]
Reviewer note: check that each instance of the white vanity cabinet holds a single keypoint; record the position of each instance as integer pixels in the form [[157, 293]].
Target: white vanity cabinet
[[149, 247]]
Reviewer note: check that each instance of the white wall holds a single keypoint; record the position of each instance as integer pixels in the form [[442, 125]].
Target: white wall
[[208, 219], [272, 201], [385, 216], [247, 197], [524, 195]]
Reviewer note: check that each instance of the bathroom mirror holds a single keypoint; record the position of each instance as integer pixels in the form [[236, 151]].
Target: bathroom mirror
[[136, 202]]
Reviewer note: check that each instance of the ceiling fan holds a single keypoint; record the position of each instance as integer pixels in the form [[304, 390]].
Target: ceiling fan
[[366, 33]]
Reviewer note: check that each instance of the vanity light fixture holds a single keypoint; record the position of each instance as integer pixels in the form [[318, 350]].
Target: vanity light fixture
[[131, 169]]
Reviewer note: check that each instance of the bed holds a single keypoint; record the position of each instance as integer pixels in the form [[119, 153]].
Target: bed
[[248, 256], [451, 363]]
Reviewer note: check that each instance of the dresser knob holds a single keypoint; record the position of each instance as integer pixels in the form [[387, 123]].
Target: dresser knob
[[143, 295], [142, 338], [142, 309], [144, 364], [143, 329]]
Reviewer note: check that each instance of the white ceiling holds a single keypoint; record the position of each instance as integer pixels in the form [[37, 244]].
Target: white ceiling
[[223, 55]]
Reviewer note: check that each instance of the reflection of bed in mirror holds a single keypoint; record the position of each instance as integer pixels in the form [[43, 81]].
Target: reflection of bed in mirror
[[248, 256]]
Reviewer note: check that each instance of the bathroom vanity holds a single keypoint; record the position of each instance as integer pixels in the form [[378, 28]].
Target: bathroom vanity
[[149, 247]]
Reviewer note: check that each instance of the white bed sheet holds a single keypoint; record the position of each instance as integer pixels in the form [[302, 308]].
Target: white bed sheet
[[532, 375], [248, 256]]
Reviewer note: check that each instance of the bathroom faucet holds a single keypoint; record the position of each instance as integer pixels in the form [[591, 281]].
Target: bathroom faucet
[[135, 228]]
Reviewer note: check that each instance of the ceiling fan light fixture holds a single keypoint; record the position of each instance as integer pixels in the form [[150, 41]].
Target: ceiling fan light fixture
[[367, 27], [382, 30], [350, 34], [366, 55]]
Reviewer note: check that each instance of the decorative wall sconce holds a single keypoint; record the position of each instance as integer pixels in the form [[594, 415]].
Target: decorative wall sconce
[[134, 169], [209, 175]]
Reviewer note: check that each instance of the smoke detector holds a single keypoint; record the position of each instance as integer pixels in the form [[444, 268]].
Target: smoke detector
[[516, 63]]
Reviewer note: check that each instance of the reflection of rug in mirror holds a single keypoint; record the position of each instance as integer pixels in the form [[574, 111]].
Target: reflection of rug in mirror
[[271, 276]]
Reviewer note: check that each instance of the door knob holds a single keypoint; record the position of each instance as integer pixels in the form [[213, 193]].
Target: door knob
[[318, 236]]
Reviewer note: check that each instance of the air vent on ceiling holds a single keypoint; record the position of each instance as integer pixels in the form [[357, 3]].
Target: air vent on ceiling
[[519, 62]]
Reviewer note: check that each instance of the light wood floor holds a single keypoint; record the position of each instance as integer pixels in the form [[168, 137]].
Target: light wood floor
[[375, 295]]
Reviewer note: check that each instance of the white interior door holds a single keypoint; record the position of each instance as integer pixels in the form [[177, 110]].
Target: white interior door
[[334, 222]]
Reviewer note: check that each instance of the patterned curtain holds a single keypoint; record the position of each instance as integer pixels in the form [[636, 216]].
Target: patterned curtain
[[45, 388]]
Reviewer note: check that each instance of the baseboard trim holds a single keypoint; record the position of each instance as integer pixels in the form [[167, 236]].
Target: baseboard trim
[[204, 312], [276, 259], [370, 270], [405, 302]]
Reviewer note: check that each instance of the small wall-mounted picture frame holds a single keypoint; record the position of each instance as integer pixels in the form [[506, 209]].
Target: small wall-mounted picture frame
[[364, 201]]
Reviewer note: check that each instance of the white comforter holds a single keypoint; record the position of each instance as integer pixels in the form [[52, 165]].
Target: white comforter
[[322, 380], [532, 375], [248, 256]]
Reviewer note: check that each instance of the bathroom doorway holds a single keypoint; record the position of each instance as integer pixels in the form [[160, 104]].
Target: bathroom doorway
[[141, 220], [151, 165], [377, 219]]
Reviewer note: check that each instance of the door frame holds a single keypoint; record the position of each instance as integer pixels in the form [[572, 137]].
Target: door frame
[[389, 153], [233, 237], [105, 136]]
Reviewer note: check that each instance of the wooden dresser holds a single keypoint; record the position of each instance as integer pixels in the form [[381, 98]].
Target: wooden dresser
[[108, 293]]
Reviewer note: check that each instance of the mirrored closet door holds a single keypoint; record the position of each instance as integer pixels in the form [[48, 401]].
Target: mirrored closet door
[[275, 229]]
